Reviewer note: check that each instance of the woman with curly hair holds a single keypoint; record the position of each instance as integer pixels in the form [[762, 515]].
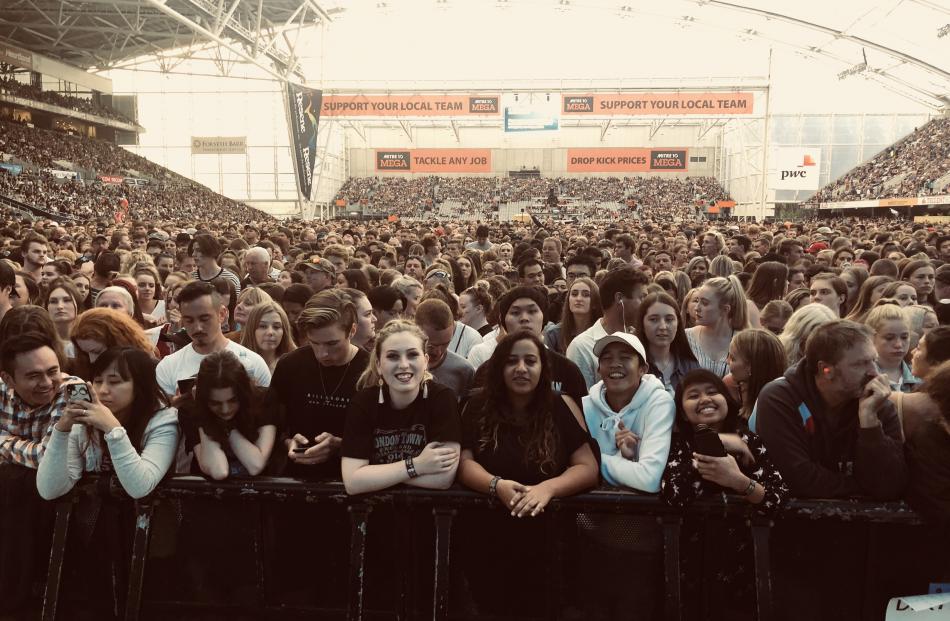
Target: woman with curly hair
[[100, 329], [522, 445]]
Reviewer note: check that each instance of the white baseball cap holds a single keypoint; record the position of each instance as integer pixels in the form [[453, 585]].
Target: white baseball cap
[[620, 337]]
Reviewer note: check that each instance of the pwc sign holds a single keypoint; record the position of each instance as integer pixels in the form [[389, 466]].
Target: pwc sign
[[796, 168]]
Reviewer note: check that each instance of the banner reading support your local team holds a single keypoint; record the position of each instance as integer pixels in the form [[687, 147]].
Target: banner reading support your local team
[[657, 104], [303, 106]]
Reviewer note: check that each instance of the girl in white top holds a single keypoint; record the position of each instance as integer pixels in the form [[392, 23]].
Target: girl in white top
[[721, 310], [127, 429]]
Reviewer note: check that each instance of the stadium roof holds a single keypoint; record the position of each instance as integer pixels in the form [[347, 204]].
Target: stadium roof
[[902, 44]]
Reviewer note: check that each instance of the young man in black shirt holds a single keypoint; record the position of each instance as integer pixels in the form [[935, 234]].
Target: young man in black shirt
[[312, 387]]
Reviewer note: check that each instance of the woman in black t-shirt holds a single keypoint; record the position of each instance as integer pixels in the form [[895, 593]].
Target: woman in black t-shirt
[[520, 441], [224, 423], [524, 444], [401, 427]]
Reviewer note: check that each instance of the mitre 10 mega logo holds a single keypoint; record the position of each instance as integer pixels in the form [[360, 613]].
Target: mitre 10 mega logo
[[667, 160], [392, 160], [482, 105], [578, 104]]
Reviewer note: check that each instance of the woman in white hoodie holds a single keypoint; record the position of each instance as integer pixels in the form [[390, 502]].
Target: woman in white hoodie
[[630, 414]]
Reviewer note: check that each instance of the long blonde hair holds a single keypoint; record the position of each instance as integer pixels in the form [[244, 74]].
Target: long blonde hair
[[730, 291], [370, 376], [800, 325]]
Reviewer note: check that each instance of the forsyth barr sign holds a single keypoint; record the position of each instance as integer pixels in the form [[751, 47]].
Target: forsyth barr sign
[[796, 168]]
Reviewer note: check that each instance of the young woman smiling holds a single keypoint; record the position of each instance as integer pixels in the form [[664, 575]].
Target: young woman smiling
[[400, 427]]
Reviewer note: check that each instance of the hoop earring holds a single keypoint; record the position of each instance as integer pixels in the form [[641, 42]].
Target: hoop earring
[[382, 399]]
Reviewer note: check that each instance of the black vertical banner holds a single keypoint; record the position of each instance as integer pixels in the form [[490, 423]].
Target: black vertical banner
[[304, 107]]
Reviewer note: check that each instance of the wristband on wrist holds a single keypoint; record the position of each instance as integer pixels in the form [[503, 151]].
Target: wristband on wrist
[[410, 467], [493, 487], [749, 489]]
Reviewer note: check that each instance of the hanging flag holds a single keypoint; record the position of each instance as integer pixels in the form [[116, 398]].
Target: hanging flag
[[304, 110]]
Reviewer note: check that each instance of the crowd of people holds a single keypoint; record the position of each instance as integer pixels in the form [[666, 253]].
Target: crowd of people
[[910, 167], [10, 84], [667, 355], [407, 196], [161, 194]]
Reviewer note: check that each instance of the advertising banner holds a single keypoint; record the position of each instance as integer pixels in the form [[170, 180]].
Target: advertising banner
[[219, 145], [434, 160], [531, 113], [15, 56], [111, 179], [63, 174], [303, 105], [657, 104], [626, 160], [399, 106], [932, 219], [796, 168]]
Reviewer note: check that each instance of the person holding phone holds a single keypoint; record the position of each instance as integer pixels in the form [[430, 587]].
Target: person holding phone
[[729, 460], [120, 424], [711, 456]]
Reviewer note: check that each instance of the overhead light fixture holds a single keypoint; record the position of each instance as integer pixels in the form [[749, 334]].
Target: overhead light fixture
[[859, 68], [944, 31]]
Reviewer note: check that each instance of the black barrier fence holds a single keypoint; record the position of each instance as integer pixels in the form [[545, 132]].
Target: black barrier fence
[[423, 587]]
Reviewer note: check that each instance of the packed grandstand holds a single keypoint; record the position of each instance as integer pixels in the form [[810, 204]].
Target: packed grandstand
[[637, 363]]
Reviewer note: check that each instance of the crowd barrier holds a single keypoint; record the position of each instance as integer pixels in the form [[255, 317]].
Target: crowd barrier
[[445, 506]]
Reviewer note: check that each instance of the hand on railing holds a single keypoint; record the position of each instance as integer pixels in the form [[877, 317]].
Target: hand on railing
[[435, 458]]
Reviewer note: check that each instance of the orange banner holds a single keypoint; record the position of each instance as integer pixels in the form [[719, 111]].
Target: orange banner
[[663, 104], [626, 160], [434, 160], [410, 105]]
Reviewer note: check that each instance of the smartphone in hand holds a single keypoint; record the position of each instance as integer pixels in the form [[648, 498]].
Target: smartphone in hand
[[78, 392], [707, 442]]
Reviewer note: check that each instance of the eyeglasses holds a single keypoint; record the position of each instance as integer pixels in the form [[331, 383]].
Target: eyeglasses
[[439, 274]]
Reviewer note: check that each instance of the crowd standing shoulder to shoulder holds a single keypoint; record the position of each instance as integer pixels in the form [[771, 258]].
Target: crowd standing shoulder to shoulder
[[525, 361]]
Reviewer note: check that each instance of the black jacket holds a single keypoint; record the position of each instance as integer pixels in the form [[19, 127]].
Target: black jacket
[[828, 455]]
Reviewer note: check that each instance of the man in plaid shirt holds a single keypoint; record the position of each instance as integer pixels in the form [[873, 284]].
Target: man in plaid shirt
[[32, 398]]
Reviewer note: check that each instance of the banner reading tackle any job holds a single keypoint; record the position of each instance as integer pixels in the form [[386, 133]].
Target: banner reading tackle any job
[[433, 160], [304, 110], [657, 104]]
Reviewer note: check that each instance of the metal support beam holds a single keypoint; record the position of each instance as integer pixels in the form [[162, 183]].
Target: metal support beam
[[406, 127], [655, 127], [161, 6], [603, 129], [455, 130]]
